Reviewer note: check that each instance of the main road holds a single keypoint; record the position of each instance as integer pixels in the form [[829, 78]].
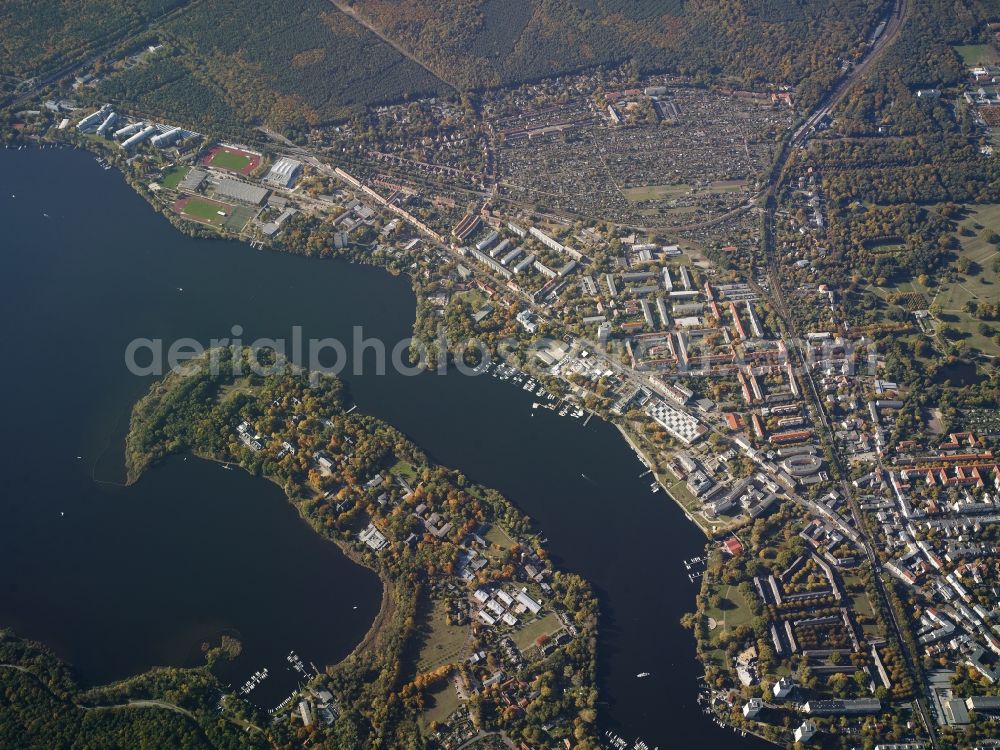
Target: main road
[[834, 97]]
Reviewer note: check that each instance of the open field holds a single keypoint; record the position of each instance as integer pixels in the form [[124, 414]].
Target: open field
[[238, 218], [440, 641], [727, 186], [173, 175], [442, 703], [733, 610], [980, 284], [405, 470], [654, 192], [862, 606], [499, 537], [525, 637], [977, 54]]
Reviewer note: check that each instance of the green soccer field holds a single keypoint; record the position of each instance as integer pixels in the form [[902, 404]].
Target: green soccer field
[[173, 175], [206, 211], [229, 160]]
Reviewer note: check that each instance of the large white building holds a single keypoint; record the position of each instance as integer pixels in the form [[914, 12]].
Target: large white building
[[284, 172]]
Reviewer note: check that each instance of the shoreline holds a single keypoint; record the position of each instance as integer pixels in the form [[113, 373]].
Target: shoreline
[[370, 640]]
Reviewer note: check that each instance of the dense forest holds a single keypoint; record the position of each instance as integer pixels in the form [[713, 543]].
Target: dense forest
[[36, 38], [481, 43], [305, 61], [41, 706], [295, 61]]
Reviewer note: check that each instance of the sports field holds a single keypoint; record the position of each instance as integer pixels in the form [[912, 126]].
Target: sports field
[[172, 176], [203, 211], [232, 160]]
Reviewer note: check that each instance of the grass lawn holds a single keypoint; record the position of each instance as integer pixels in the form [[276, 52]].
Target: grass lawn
[[441, 704], [238, 218], [861, 604], [727, 186], [474, 297], [977, 54], [982, 284], [732, 612], [499, 537], [172, 176], [525, 637], [654, 192], [405, 470], [440, 641], [228, 160], [205, 211]]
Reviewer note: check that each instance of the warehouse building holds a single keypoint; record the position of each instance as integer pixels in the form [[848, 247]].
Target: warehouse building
[[230, 189]]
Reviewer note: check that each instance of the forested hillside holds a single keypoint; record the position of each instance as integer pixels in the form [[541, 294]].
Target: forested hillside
[[36, 37], [476, 43]]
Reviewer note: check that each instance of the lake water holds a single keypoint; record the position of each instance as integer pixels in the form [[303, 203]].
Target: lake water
[[132, 577]]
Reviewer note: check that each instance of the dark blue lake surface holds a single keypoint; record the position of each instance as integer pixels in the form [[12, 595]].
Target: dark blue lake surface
[[133, 577]]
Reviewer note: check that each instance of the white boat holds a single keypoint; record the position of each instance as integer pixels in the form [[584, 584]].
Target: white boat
[[643, 674]]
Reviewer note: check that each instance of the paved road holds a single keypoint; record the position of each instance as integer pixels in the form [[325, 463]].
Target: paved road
[[790, 332]]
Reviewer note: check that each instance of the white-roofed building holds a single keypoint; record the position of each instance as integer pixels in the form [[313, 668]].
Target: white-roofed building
[[284, 172]]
